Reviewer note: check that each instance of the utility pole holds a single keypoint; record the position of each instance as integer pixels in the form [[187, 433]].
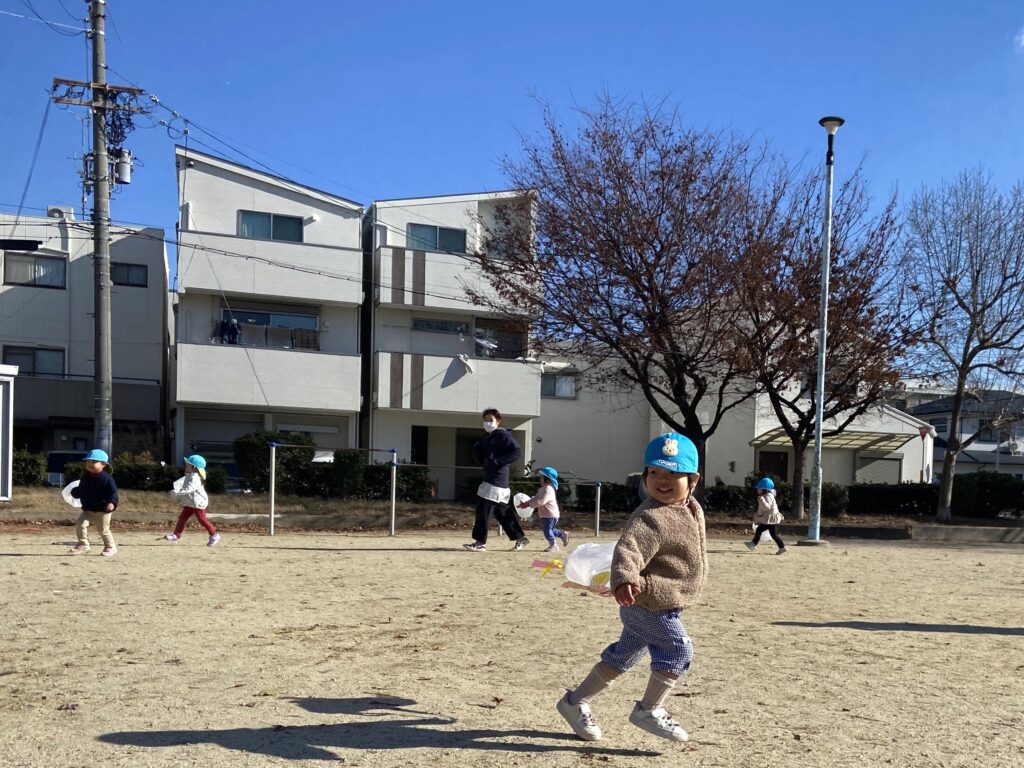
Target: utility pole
[[103, 402], [111, 108]]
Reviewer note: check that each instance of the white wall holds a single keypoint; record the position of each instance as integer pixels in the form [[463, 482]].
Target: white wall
[[216, 190]]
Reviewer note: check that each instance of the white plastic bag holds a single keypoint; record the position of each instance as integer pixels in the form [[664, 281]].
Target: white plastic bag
[[590, 565], [179, 483], [66, 494], [521, 498]]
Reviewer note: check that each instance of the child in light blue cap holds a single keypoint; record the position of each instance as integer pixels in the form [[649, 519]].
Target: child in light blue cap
[[659, 567], [546, 504]]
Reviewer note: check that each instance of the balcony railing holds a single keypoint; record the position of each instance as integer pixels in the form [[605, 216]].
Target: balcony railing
[[266, 336]]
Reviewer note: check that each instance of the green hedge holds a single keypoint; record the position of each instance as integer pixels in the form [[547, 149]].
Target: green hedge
[[133, 471], [293, 474], [742, 500], [615, 497], [28, 468], [904, 499], [987, 494]]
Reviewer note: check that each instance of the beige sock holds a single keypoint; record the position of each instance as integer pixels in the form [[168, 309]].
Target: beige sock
[[601, 677], [659, 686]]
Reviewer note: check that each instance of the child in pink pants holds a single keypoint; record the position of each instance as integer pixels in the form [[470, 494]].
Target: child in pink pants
[[196, 501]]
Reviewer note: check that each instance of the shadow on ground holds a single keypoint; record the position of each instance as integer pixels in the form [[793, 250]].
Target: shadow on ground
[[899, 626], [381, 730]]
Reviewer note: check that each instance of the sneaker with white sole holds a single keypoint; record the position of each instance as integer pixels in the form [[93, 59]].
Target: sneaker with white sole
[[659, 722], [521, 542], [476, 546], [78, 549], [750, 545], [172, 538], [564, 536], [109, 551], [213, 540], [552, 547], [580, 718]]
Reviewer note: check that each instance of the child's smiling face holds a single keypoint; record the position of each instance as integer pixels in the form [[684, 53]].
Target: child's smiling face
[[669, 487]]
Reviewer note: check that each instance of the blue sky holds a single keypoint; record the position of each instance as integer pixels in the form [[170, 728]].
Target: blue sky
[[386, 99]]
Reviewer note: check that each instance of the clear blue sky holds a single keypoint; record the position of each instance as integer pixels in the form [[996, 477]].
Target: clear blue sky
[[389, 99]]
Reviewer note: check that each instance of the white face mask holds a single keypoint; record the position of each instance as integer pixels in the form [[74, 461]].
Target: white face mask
[[490, 426]]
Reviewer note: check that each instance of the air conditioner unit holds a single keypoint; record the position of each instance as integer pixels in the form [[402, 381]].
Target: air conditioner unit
[[1016, 449], [60, 212]]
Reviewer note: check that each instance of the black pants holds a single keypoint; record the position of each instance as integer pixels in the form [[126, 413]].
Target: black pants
[[773, 531], [505, 515]]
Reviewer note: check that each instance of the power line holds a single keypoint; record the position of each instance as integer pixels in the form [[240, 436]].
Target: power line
[[32, 165], [54, 25]]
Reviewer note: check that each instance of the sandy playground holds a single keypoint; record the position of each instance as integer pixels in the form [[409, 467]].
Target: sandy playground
[[324, 649]]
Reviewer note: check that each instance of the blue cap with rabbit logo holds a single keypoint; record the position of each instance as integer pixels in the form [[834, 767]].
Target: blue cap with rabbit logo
[[673, 452]]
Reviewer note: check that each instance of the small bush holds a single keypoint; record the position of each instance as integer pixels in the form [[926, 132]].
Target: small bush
[[413, 483], [292, 474], [904, 499], [615, 497], [216, 480], [349, 470], [28, 468], [731, 500]]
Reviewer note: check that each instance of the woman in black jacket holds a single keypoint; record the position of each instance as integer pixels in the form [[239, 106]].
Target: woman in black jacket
[[496, 452]]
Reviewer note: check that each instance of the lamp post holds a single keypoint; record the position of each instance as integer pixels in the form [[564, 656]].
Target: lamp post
[[831, 125]]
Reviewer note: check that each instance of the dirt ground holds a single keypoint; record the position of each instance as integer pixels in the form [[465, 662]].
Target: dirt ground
[[323, 649]]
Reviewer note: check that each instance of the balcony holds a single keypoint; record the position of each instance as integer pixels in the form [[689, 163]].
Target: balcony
[[451, 385], [261, 377], [241, 266], [428, 279]]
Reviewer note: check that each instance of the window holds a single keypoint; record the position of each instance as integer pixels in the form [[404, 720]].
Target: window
[[418, 444], [270, 318], [426, 238], [499, 338], [439, 326], [986, 434], [941, 425], [269, 226], [35, 270], [35, 362], [557, 385], [129, 274]]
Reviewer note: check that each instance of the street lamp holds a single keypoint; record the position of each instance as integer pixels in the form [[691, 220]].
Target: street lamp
[[831, 125]]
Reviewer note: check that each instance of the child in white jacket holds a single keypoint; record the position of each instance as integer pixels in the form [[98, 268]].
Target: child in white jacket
[[767, 517], [193, 494]]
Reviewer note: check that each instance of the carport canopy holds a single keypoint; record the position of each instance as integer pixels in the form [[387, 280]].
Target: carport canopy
[[885, 442]]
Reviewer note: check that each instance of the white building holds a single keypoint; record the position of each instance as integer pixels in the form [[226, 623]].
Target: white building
[[435, 360], [601, 435], [47, 330], [996, 449], [285, 262]]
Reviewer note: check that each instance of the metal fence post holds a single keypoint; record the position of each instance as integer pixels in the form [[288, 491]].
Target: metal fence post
[[273, 473], [597, 510], [394, 486]]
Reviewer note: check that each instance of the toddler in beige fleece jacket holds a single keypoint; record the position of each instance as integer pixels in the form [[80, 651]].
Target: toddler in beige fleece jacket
[[659, 567]]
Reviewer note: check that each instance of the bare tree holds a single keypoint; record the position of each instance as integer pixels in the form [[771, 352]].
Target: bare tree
[[966, 243], [778, 296], [625, 252]]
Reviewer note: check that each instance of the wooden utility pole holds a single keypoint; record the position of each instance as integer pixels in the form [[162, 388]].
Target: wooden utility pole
[[102, 100]]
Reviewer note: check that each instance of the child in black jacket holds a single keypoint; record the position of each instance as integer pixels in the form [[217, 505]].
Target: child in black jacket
[[98, 493]]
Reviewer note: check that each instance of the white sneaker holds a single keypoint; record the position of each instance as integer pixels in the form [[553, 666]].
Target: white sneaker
[[213, 540], [171, 537], [579, 718], [521, 542], [552, 547], [659, 722]]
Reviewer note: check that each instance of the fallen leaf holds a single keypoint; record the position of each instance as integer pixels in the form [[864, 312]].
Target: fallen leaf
[[69, 707]]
